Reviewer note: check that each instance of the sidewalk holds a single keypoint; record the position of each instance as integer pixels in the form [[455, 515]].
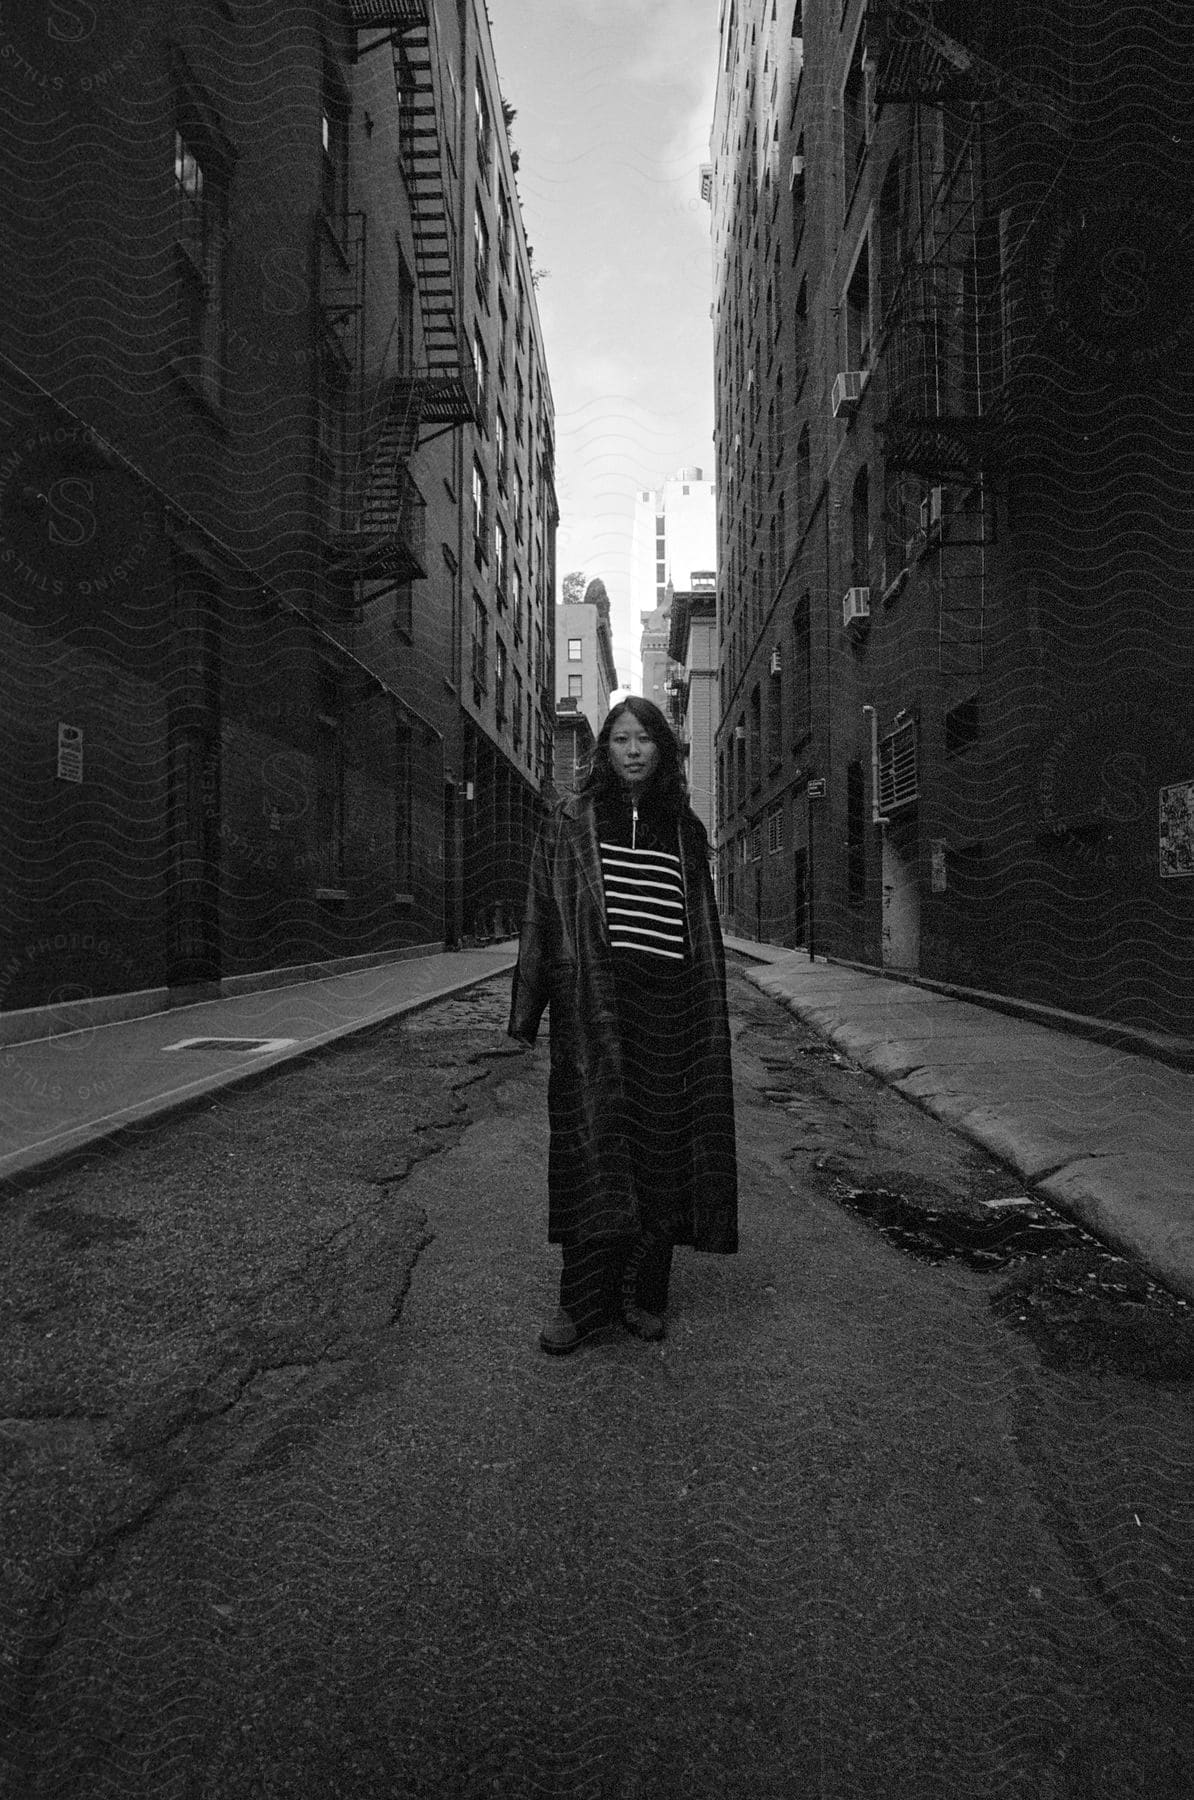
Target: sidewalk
[[63, 1094], [1106, 1135]]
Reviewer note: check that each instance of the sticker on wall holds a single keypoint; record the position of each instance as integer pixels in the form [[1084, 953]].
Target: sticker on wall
[[70, 752], [1177, 830]]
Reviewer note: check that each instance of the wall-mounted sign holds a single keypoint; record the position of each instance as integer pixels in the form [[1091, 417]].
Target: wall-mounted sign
[[816, 788], [70, 752]]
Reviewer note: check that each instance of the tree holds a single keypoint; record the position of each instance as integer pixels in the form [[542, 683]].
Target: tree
[[573, 590]]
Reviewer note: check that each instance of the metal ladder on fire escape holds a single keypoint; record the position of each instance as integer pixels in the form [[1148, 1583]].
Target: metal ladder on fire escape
[[437, 392], [937, 352]]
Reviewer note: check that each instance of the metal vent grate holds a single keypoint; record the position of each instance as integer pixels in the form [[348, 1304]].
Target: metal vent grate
[[898, 769]]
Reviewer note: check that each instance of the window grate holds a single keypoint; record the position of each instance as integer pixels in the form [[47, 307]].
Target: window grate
[[898, 769]]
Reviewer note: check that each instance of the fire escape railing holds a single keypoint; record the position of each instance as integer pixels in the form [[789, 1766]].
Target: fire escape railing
[[380, 534]]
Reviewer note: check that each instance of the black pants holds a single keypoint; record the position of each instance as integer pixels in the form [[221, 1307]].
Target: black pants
[[598, 1279]]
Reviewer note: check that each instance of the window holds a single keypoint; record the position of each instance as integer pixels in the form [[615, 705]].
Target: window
[[858, 312], [860, 530], [516, 720], [891, 233], [775, 830], [518, 503], [201, 226], [480, 514], [480, 248], [756, 733], [961, 726], [505, 229], [404, 621], [575, 650], [775, 710], [576, 686], [499, 561], [480, 645], [854, 118], [803, 482], [452, 134], [802, 669], [404, 346], [800, 331], [499, 679], [481, 371], [334, 141], [516, 603], [484, 128], [499, 449]]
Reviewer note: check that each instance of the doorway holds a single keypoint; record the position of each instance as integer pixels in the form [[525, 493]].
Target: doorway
[[901, 894]]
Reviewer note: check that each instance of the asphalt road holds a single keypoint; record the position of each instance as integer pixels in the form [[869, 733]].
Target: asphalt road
[[293, 1506]]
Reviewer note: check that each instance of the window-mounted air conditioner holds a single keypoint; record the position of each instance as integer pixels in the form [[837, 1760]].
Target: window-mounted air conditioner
[[776, 663], [796, 172], [847, 391], [856, 607]]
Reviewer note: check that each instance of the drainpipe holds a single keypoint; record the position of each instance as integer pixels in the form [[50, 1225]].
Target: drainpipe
[[877, 818]]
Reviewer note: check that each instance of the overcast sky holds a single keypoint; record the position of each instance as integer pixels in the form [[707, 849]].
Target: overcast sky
[[615, 110]]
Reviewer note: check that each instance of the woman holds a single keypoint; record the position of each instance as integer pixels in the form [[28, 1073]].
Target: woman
[[620, 937]]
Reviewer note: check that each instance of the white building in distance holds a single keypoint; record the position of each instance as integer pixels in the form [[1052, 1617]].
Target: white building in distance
[[674, 535]]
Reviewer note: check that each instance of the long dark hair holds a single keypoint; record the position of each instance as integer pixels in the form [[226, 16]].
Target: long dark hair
[[666, 792]]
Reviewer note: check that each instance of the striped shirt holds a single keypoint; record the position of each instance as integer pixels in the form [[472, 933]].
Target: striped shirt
[[644, 900]]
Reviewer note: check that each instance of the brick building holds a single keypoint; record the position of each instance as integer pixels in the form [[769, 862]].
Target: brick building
[[585, 670], [276, 504], [953, 358]]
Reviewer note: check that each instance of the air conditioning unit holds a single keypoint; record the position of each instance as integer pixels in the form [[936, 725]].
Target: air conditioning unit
[[796, 172], [776, 663], [856, 607], [931, 508], [847, 391]]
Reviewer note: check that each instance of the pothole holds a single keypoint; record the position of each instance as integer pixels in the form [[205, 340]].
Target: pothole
[[1012, 1228], [1081, 1303]]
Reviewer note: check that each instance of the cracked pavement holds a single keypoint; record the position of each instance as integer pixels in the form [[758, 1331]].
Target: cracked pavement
[[293, 1506]]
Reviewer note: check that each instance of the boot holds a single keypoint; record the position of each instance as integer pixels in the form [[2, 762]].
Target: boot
[[559, 1336], [635, 1318]]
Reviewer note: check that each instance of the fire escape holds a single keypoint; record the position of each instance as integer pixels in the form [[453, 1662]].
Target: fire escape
[[411, 400], [940, 345]]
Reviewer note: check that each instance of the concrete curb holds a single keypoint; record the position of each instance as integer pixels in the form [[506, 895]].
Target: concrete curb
[[24, 1167], [1136, 1197], [1176, 1052]]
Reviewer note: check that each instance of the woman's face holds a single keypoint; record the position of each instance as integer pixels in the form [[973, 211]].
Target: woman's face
[[632, 750]]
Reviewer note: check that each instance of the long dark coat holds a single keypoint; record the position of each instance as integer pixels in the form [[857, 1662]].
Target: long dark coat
[[565, 961]]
